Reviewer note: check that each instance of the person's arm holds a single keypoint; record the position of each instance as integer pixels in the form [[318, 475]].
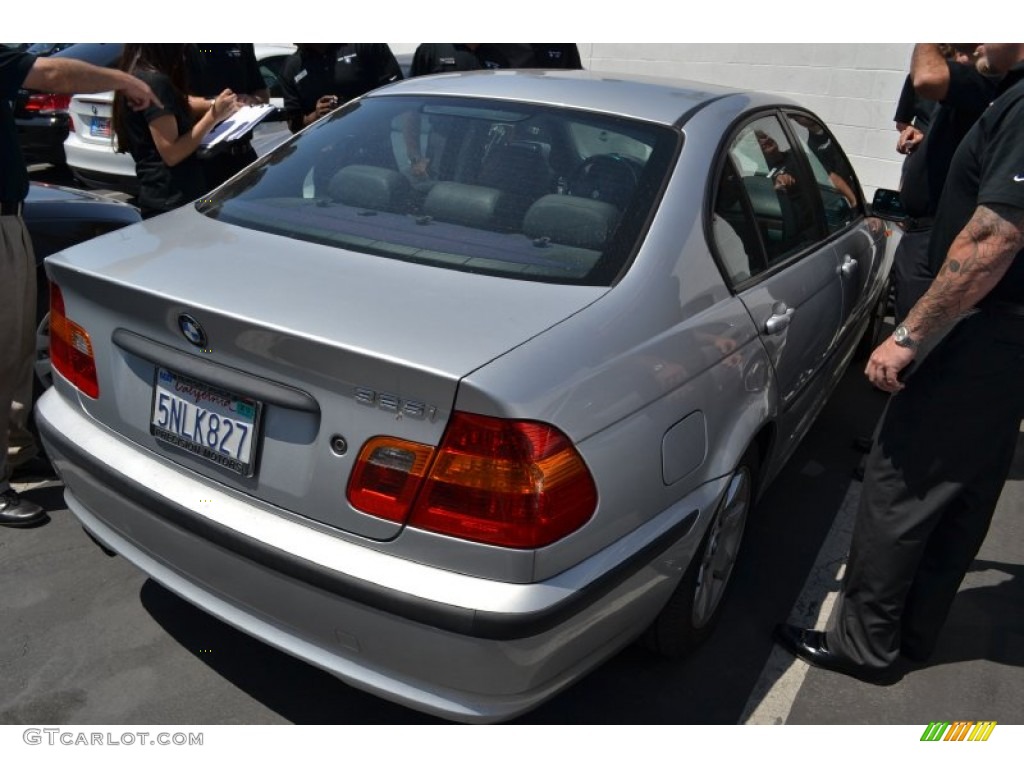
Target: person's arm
[[977, 260], [73, 76], [175, 148], [930, 71]]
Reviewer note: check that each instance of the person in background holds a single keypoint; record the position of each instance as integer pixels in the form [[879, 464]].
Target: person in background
[[17, 262], [961, 94], [163, 139], [432, 58], [947, 438], [321, 76], [212, 68]]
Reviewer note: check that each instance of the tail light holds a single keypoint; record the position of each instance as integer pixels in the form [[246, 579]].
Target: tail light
[[516, 484], [45, 103], [70, 348]]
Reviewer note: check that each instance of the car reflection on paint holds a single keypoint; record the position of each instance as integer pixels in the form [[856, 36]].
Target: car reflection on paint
[[501, 362]]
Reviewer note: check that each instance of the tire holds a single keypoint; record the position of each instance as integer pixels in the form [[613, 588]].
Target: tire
[[692, 611]]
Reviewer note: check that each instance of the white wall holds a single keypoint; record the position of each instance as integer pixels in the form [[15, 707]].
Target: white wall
[[852, 87]]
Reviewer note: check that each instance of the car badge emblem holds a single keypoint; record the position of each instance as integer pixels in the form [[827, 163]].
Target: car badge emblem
[[192, 330]]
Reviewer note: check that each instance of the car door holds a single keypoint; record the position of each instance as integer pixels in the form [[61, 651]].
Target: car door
[[768, 240], [859, 249]]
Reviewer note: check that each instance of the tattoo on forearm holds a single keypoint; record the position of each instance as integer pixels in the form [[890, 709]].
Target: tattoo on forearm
[[977, 260]]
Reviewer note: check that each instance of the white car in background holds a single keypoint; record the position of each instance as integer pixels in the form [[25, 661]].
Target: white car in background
[[90, 149]]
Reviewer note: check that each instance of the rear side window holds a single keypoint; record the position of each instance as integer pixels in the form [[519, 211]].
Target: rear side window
[[516, 190], [833, 176]]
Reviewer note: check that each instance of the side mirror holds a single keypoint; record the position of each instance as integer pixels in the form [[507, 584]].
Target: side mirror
[[886, 205]]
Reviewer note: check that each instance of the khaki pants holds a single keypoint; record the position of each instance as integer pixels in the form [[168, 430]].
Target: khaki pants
[[17, 344]]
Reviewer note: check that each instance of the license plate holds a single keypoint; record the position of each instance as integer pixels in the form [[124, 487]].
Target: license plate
[[209, 422], [100, 126]]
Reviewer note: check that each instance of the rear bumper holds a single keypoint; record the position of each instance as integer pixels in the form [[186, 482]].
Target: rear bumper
[[449, 644]]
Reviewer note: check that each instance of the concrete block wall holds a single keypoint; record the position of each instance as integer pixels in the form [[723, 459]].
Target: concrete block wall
[[852, 87]]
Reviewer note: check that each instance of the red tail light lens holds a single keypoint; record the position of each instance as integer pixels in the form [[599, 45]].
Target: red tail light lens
[[509, 483], [70, 347], [517, 484], [47, 102]]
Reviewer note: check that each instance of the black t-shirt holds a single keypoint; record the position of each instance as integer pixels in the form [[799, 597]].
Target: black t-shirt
[[556, 56], [988, 169], [345, 70], [968, 95], [913, 109], [14, 68], [431, 58], [162, 187], [212, 67]]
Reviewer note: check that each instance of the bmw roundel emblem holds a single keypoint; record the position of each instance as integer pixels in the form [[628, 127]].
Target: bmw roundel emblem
[[192, 330]]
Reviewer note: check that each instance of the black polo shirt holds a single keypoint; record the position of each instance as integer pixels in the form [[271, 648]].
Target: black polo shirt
[[345, 70], [556, 56], [431, 58], [162, 187], [968, 95], [988, 169], [14, 68], [212, 67]]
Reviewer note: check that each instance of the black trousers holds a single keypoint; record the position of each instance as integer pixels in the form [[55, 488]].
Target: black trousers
[[942, 452]]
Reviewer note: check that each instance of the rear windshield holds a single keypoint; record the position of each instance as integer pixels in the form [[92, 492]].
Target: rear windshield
[[516, 190]]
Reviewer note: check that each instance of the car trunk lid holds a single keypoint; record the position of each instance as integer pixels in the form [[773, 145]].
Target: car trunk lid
[[329, 348]]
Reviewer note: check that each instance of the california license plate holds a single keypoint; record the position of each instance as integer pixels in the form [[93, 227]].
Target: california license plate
[[209, 422], [100, 126]]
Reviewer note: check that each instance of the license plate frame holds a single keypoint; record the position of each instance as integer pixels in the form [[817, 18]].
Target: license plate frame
[[180, 416]]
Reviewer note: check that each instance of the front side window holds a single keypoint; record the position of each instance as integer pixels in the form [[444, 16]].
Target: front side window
[[515, 190]]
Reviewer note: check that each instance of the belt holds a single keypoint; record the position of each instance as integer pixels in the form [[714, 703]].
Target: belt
[[915, 224], [1002, 308], [11, 207]]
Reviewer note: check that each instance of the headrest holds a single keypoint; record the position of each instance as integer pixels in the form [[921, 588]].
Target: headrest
[[576, 221], [367, 186], [465, 204]]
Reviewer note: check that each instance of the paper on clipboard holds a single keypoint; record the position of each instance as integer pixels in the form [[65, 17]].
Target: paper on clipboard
[[236, 126]]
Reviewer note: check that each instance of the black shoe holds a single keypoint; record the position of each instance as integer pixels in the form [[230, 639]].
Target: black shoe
[[811, 646], [19, 513]]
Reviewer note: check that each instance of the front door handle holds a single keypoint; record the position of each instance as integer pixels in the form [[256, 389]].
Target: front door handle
[[849, 267], [781, 317]]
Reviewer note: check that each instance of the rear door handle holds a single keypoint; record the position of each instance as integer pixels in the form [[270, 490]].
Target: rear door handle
[[781, 317]]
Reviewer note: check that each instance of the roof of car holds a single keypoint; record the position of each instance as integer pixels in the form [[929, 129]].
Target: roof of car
[[646, 98]]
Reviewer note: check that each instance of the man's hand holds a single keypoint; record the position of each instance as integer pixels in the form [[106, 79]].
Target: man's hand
[[138, 94], [885, 364], [783, 181], [910, 138]]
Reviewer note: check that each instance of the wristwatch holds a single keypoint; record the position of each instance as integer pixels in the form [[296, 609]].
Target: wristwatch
[[902, 337]]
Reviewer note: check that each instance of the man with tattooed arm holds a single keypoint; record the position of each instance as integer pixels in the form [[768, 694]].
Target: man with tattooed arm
[[946, 441]]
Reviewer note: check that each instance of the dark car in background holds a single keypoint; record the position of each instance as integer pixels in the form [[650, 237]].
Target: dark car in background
[[58, 218], [42, 119]]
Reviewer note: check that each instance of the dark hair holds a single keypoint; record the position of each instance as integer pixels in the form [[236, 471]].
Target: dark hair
[[166, 58]]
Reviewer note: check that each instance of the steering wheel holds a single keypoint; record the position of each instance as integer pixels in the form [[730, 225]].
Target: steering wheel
[[610, 178]]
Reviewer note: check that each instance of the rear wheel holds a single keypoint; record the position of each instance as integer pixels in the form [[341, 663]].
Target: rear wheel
[[692, 611]]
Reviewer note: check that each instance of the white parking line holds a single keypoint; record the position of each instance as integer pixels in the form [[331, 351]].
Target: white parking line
[[772, 698]]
